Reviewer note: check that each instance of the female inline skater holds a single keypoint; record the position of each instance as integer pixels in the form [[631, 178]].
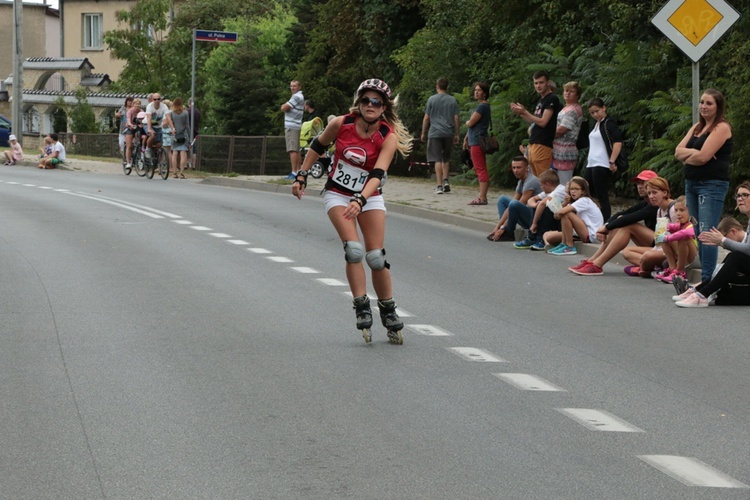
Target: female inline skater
[[367, 139]]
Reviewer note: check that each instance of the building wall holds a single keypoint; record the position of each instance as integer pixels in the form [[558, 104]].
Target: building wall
[[73, 12], [35, 34]]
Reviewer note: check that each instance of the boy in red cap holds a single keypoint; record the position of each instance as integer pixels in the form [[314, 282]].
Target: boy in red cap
[[637, 223]]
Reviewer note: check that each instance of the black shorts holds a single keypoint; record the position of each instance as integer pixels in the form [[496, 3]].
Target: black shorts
[[157, 134], [439, 149]]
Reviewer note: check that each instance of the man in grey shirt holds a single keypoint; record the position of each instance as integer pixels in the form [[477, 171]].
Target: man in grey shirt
[[293, 110], [441, 117], [513, 211]]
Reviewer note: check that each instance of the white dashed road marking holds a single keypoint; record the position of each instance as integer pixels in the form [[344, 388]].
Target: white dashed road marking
[[238, 242], [598, 420], [332, 282], [692, 471], [527, 382], [428, 330], [258, 250], [201, 228], [305, 270], [278, 258], [183, 221], [220, 235], [474, 354]]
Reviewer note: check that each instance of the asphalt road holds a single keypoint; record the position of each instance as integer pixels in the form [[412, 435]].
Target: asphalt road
[[178, 340]]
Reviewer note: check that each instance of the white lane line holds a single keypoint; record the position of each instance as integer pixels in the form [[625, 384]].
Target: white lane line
[[142, 207], [120, 205], [201, 228], [12, 182], [278, 258], [305, 270], [428, 330], [598, 420], [238, 242], [258, 250], [220, 235], [44, 187], [183, 221], [692, 471], [331, 282], [63, 190], [29, 185], [527, 382], [474, 354]]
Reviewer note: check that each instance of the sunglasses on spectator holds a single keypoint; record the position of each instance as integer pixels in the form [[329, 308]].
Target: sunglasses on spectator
[[742, 196], [376, 103], [157, 99]]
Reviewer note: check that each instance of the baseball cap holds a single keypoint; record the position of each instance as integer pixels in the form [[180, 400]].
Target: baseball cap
[[12, 137], [645, 175]]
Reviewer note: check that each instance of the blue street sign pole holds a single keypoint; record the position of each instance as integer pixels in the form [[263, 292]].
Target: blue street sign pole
[[204, 36]]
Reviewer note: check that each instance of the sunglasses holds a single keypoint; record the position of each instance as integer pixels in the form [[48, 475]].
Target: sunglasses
[[157, 99], [376, 103]]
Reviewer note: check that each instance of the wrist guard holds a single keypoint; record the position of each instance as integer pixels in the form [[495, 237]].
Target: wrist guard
[[359, 199], [303, 181]]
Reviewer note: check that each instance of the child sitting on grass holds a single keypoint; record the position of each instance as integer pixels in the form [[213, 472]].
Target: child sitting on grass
[[580, 215], [679, 243]]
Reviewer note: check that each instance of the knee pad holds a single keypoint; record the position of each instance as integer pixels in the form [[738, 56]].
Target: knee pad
[[353, 251], [376, 259]]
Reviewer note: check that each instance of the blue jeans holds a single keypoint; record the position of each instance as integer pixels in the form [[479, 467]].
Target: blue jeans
[[518, 213], [705, 202]]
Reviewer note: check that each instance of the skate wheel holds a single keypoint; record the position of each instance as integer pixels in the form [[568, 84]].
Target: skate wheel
[[395, 337], [366, 335]]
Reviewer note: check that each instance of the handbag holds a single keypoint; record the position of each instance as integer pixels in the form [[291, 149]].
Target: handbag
[[489, 144], [180, 137], [621, 162]]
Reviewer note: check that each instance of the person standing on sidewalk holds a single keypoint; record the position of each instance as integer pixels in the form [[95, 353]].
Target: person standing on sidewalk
[[441, 130], [479, 124], [293, 110], [543, 123]]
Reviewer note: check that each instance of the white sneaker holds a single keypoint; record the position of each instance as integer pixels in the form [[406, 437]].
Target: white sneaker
[[129, 165], [695, 300], [687, 293], [439, 190]]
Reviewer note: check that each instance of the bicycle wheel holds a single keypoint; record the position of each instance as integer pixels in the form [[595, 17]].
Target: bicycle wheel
[[150, 166], [139, 162], [126, 170], [163, 164]]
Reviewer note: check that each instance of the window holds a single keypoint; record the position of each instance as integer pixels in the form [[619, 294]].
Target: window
[[92, 31]]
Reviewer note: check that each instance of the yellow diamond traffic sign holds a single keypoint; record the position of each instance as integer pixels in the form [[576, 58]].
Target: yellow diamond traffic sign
[[695, 25], [695, 19]]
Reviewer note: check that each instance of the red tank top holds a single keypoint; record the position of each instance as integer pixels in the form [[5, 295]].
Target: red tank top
[[354, 157]]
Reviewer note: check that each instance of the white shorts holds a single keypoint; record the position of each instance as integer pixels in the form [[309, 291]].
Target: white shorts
[[333, 199]]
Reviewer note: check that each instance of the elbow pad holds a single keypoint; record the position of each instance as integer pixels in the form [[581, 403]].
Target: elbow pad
[[377, 173], [318, 147]]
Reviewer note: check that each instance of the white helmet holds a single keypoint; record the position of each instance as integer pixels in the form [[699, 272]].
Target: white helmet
[[377, 85]]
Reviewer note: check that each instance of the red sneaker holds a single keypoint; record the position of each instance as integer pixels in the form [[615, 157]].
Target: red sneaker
[[580, 265], [589, 269]]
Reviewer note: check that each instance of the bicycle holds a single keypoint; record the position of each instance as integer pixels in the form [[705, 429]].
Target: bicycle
[[157, 161]]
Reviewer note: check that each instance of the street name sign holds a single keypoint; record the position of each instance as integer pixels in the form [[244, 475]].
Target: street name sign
[[215, 36]]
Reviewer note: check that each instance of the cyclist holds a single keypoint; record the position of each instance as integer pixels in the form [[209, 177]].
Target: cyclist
[[154, 117], [130, 127]]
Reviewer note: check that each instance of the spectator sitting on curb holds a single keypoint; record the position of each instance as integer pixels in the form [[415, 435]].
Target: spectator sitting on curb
[[15, 153], [514, 211], [580, 216], [544, 220], [647, 258], [621, 228], [57, 156]]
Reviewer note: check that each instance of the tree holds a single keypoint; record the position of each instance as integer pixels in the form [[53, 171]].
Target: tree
[[150, 65], [82, 117]]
